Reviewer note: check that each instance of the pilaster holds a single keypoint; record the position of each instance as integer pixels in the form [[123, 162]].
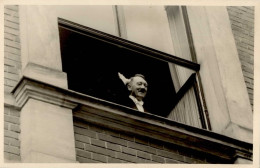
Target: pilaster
[[47, 133], [225, 90], [46, 122], [40, 45]]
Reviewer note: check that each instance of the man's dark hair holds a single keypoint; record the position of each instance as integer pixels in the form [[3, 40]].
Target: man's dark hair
[[139, 75], [136, 75]]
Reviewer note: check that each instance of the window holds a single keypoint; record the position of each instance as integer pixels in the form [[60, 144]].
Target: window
[[92, 60]]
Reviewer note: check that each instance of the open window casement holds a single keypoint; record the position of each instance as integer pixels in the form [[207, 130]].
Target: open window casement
[[92, 60]]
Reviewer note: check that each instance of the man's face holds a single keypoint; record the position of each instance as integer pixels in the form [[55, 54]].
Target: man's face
[[138, 87]]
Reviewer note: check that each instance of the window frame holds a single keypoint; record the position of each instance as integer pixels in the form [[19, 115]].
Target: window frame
[[87, 31], [159, 55], [178, 16]]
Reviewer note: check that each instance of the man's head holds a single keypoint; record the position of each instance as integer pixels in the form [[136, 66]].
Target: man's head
[[138, 86]]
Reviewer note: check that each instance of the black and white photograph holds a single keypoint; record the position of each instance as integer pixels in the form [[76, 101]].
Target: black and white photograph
[[130, 83]]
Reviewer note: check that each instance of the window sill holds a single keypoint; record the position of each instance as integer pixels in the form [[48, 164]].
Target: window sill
[[121, 118]]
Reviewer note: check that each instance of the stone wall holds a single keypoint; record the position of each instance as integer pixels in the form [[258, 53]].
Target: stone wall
[[12, 68], [242, 24]]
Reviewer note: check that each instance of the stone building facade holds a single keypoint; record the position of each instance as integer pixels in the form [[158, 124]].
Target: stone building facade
[[46, 121]]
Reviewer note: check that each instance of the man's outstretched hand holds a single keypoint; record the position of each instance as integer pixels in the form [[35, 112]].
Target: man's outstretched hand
[[123, 78]]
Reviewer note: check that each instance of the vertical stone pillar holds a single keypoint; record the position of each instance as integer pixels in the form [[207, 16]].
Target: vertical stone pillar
[[46, 133], [225, 91], [40, 45], [46, 127]]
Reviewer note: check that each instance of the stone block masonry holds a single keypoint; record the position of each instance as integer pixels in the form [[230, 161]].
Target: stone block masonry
[[242, 24]]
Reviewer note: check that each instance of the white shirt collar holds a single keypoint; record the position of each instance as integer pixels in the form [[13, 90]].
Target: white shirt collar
[[136, 101], [139, 104]]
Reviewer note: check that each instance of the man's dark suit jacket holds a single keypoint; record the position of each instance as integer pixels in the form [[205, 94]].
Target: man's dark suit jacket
[[130, 103]]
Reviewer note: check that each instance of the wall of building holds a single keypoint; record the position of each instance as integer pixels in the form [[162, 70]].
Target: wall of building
[[148, 25], [98, 144], [12, 68], [95, 144], [95, 16], [221, 74], [34, 52], [12, 49], [242, 24]]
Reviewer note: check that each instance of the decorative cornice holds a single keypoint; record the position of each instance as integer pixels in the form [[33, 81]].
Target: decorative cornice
[[118, 117], [29, 88]]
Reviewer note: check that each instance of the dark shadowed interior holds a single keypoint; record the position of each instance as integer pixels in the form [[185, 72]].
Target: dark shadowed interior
[[92, 67]]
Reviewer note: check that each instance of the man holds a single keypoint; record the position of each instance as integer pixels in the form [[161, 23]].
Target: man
[[137, 86]]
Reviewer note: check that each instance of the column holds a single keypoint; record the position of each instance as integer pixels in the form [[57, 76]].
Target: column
[[225, 91], [47, 134], [40, 45], [46, 124]]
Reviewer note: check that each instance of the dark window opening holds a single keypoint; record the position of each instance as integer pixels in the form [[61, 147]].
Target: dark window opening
[[92, 60]]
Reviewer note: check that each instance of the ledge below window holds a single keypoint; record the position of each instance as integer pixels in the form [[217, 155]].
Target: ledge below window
[[121, 118]]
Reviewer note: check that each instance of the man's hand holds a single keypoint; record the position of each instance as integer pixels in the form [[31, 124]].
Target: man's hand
[[123, 78]]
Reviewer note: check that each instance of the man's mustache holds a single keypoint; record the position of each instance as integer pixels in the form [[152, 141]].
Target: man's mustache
[[141, 90]]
